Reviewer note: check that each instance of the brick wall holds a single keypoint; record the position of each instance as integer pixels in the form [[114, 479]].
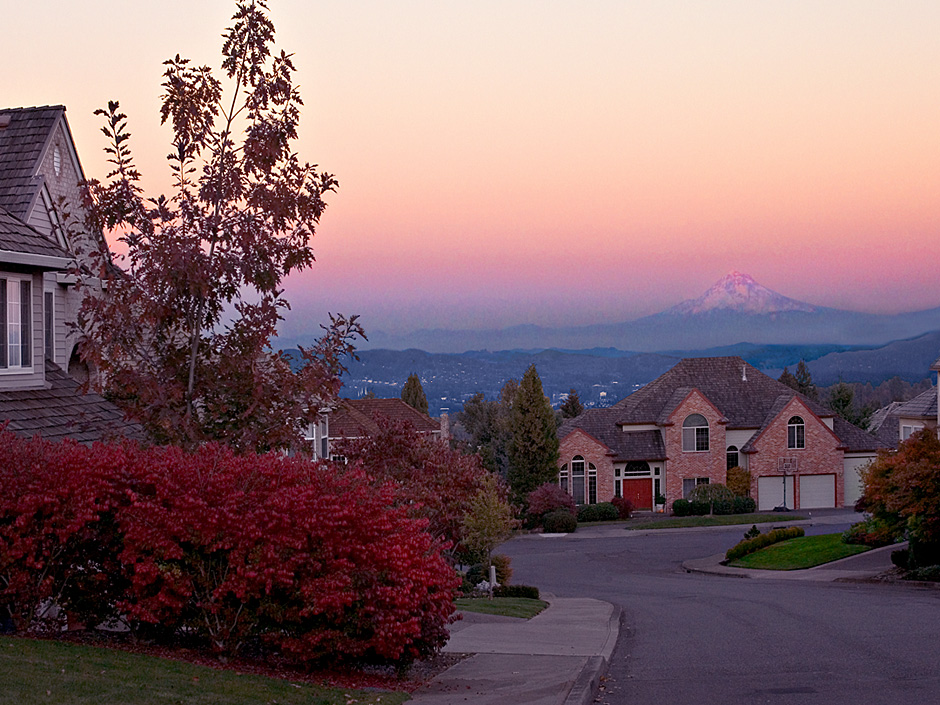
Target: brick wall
[[684, 464], [821, 456], [580, 443]]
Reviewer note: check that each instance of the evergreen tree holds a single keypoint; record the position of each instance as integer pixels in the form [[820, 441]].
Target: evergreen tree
[[804, 381], [572, 406], [842, 401], [413, 394], [787, 378], [533, 450], [487, 423]]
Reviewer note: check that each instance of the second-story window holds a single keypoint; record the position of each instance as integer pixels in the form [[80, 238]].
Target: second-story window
[[796, 433], [695, 433]]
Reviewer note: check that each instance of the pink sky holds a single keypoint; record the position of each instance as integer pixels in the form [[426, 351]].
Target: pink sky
[[561, 162]]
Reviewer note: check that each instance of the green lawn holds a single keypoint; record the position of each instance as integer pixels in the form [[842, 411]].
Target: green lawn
[[34, 671], [506, 606], [804, 552], [723, 520]]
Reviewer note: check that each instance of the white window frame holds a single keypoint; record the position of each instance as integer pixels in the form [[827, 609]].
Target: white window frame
[[796, 433], [12, 325], [48, 324], [695, 439]]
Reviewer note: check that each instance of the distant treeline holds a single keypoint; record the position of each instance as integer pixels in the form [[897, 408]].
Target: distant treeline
[[875, 397]]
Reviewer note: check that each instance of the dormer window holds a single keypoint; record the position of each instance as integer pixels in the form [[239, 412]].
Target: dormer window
[[796, 432], [695, 434], [16, 315]]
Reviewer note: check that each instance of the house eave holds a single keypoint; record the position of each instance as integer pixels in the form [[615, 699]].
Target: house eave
[[33, 260]]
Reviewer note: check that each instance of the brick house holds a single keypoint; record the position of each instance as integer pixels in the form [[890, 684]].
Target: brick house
[[40, 250], [702, 417]]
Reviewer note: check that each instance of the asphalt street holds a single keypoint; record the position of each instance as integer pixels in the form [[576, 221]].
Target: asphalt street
[[702, 639]]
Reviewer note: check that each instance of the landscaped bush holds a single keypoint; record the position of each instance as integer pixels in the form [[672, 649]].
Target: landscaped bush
[[682, 508], [528, 591], [223, 549], [723, 507], [549, 498], [747, 546], [739, 481], [602, 511], [560, 522], [709, 494], [743, 505], [624, 507], [698, 509], [872, 532]]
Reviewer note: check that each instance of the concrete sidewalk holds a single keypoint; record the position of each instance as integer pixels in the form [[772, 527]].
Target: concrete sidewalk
[[555, 658], [863, 566]]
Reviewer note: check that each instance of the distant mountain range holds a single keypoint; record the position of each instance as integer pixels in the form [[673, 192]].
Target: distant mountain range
[[736, 308]]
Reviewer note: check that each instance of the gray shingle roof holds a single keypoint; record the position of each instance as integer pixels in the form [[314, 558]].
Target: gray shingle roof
[[22, 143], [624, 446], [356, 418], [745, 403], [923, 405], [60, 410], [746, 397], [17, 236]]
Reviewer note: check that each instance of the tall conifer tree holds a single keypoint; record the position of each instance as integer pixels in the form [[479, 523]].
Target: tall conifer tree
[[533, 450], [413, 394]]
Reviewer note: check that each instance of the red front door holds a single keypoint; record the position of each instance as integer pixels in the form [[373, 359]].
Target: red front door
[[639, 492]]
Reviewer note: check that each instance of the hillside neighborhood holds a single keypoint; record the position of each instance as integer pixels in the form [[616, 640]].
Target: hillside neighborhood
[[342, 523]]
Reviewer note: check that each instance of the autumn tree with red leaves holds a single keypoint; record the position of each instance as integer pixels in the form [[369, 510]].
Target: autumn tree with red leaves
[[182, 337], [433, 481]]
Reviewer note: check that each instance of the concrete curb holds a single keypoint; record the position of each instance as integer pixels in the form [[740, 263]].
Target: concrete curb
[[586, 686]]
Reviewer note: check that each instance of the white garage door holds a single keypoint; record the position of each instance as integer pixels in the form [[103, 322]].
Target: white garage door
[[772, 490], [817, 491], [853, 483]]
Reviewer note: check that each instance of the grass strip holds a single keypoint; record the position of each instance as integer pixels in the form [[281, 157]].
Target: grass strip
[[524, 607], [722, 520], [796, 554], [37, 671]]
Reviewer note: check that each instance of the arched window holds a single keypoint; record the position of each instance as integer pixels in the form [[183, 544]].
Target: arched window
[[695, 433], [733, 459], [583, 481], [563, 477], [796, 433]]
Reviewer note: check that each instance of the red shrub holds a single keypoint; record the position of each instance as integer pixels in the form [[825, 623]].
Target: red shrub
[[549, 498], [225, 549], [624, 506]]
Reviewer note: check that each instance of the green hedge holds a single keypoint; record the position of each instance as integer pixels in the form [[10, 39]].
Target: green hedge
[[560, 522], [529, 591], [604, 511], [763, 541]]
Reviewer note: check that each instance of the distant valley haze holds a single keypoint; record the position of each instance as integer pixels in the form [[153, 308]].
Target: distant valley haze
[[736, 309]]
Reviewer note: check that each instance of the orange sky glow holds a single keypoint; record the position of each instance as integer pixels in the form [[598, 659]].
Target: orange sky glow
[[560, 162]]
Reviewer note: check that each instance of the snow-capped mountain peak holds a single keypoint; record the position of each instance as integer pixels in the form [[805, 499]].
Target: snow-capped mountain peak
[[739, 292]]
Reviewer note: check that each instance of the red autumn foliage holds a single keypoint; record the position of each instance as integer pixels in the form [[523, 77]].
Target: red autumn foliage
[[549, 498], [432, 480], [271, 551]]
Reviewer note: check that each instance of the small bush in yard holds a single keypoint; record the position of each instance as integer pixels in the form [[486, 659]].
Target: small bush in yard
[[723, 507], [872, 532], [529, 591], [752, 533], [755, 544], [699, 509], [744, 505], [560, 522], [549, 498], [603, 511], [682, 508], [624, 507]]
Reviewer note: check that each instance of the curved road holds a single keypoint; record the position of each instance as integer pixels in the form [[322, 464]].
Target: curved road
[[702, 639]]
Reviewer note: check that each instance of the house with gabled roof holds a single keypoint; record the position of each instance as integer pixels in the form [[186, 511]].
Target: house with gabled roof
[[42, 244], [349, 419], [702, 417], [898, 421]]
